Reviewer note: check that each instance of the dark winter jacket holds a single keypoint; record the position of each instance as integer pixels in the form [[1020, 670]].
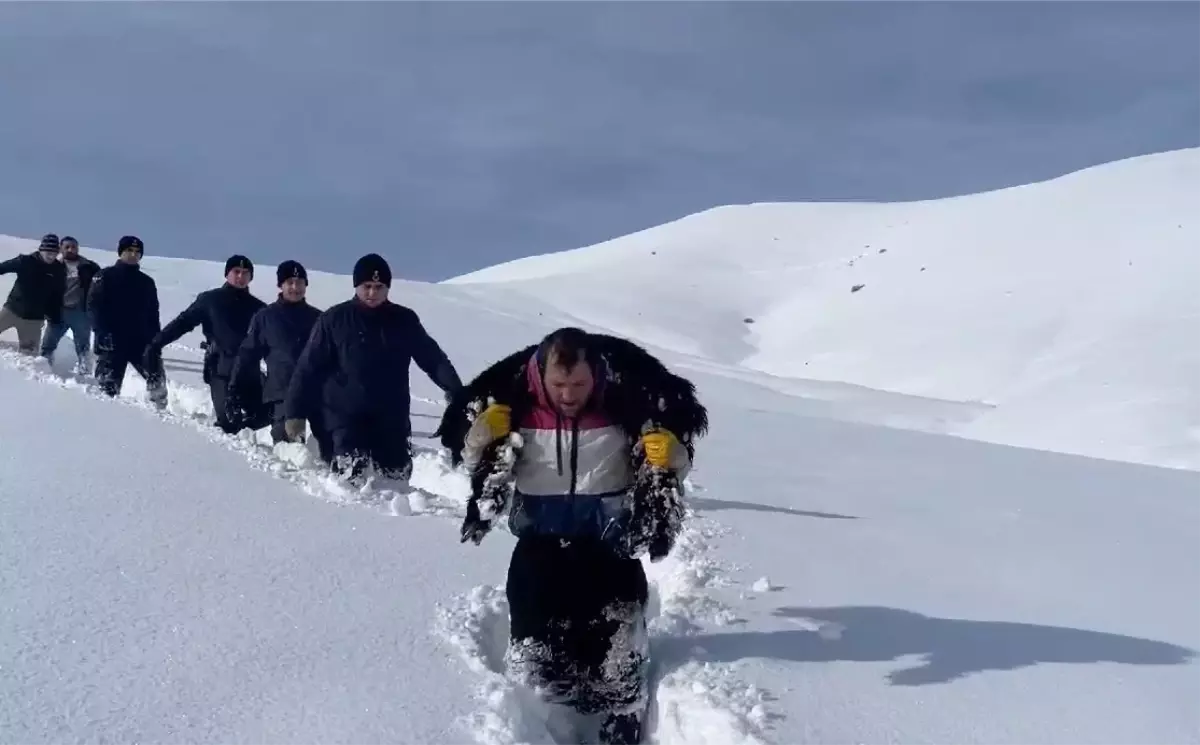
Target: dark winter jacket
[[355, 366], [277, 333], [88, 270], [37, 293], [224, 315], [123, 305], [576, 478]]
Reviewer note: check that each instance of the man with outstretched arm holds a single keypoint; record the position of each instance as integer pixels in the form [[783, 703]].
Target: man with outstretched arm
[[224, 315], [606, 435], [36, 296], [123, 305], [354, 375], [277, 334]]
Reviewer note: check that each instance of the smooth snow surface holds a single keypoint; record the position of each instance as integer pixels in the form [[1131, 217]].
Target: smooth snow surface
[[839, 581], [1050, 316]]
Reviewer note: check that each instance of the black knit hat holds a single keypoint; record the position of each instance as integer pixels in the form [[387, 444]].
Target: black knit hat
[[49, 242], [237, 261], [289, 269], [372, 268], [130, 241]]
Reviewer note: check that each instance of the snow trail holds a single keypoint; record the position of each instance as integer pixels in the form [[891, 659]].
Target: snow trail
[[157, 590], [692, 701], [435, 488]]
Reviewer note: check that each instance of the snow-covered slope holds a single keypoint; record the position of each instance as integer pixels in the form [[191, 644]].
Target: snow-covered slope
[[156, 589], [1062, 315], [839, 582]]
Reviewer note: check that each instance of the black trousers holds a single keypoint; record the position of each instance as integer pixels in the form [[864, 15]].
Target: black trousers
[[374, 442], [257, 414], [576, 614], [111, 365]]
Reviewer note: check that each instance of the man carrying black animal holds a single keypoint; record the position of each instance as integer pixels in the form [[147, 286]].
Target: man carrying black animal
[[606, 435], [36, 295], [123, 305], [278, 334], [224, 315], [354, 372]]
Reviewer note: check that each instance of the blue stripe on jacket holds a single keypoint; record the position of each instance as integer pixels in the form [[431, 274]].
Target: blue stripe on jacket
[[604, 517]]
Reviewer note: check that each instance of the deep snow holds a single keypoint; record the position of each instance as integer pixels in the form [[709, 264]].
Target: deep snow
[[157, 589], [840, 581]]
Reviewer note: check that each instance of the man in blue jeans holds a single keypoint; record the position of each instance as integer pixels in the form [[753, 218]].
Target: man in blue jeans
[[80, 273]]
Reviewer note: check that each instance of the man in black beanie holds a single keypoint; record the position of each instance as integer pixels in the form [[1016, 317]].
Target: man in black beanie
[[36, 295], [224, 315], [123, 305], [354, 371], [277, 334], [372, 280]]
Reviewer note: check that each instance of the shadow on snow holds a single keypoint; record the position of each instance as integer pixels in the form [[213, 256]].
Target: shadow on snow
[[951, 648], [703, 504]]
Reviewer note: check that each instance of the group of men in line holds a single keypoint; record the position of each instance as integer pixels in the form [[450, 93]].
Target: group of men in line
[[592, 412], [342, 373]]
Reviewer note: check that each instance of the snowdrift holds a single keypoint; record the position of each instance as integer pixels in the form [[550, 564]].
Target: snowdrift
[[839, 582], [1061, 315]]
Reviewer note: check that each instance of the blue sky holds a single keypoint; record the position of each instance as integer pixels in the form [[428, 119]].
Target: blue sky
[[455, 135]]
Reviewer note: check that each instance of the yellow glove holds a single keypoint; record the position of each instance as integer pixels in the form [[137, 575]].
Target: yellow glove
[[498, 420], [659, 444]]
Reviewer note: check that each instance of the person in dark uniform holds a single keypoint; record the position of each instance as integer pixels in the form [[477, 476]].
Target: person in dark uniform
[[277, 334], [123, 305], [224, 315], [354, 371], [36, 296]]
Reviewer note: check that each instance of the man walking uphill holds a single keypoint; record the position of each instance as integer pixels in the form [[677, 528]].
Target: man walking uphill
[[36, 296], [123, 305], [79, 275], [606, 433], [278, 334], [224, 315], [353, 374]]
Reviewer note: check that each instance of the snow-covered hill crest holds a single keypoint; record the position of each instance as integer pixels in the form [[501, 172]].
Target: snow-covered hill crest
[[1060, 315]]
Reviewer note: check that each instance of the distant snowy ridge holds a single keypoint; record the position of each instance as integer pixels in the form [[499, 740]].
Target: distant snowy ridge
[[1064, 313]]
